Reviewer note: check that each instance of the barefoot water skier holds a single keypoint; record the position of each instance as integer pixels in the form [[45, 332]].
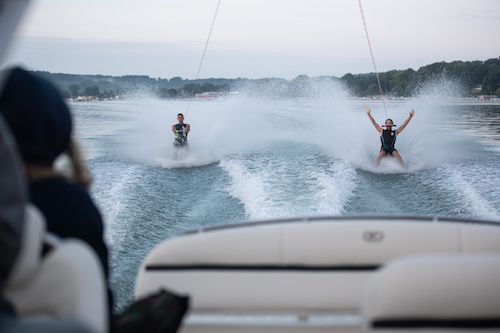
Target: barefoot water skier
[[181, 131], [388, 137]]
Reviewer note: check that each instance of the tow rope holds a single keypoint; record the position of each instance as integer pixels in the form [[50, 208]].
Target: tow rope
[[373, 59], [205, 49]]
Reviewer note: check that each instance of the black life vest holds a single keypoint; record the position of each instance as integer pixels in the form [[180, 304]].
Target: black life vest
[[180, 127], [182, 140], [388, 139]]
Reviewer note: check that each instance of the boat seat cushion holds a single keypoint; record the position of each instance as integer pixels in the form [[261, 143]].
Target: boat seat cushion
[[438, 292], [29, 256], [68, 284], [296, 266]]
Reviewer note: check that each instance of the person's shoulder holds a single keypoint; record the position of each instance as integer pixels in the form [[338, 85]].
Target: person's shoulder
[[61, 198], [60, 187]]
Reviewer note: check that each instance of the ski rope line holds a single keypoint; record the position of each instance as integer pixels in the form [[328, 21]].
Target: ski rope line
[[205, 50], [373, 59]]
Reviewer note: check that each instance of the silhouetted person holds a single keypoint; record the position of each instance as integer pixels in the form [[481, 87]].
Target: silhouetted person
[[41, 124]]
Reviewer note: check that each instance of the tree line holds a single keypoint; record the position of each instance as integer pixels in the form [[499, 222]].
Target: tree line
[[470, 77]]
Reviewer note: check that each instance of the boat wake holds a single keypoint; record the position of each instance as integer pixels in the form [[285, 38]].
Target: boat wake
[[184, 160]]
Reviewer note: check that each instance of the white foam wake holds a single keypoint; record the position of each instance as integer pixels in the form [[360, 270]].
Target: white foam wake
[[306, 188]]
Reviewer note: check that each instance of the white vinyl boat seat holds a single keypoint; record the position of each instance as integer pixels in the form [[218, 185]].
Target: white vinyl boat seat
[[304, 269], [65, 286], [29, 256], [50, 294], [435, 293]]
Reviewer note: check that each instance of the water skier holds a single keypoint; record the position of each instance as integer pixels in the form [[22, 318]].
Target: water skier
[[181, 131], [388, 137]]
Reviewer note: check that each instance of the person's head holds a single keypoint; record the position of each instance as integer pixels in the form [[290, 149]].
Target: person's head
[[180, 118], [38, 118], [388, 124]]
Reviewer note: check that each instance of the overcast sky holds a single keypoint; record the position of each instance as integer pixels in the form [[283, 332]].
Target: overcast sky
[[252, 38]]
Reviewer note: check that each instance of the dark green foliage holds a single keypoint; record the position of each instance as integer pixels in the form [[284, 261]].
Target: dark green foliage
[[468, 75], [397, 83]]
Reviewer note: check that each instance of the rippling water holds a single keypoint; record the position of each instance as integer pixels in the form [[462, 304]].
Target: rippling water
[[254, 160]]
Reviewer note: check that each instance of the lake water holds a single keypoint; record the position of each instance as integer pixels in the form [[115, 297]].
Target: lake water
[[254, 160]]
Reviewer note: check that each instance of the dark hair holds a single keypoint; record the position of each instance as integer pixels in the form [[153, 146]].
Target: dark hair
[[37, 116], [180, 114]]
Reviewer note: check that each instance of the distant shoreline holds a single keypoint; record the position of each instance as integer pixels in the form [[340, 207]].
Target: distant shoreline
[[436, 99], [470, 79]]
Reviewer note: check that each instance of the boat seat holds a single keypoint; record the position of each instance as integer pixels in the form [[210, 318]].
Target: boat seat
[[303, 270], [29, 256], [435, 293], [67, 284]]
